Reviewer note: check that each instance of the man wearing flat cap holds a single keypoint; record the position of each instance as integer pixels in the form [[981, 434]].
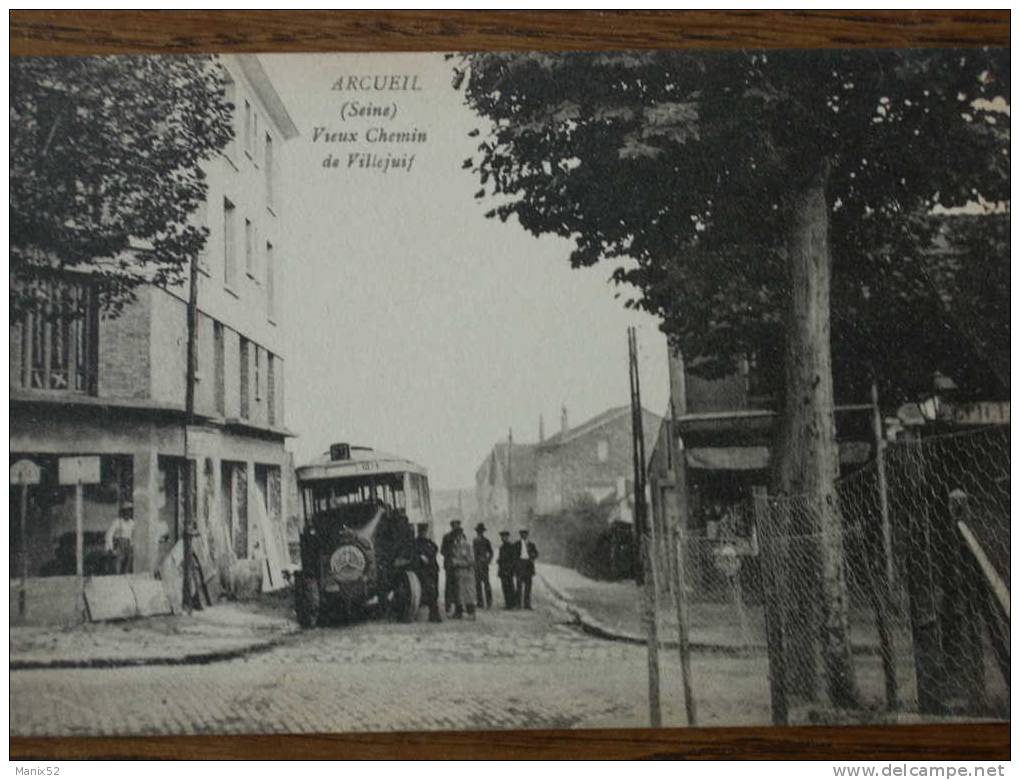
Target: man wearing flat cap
[[483, 557], [427, 567], [446, 550], [525, 553], [505, 569]]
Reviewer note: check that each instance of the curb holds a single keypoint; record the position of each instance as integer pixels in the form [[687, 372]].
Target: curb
[[597, 628], [584, 620], [213, 656]]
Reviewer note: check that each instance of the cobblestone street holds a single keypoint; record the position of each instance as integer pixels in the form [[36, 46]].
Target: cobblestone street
[[507, 670]]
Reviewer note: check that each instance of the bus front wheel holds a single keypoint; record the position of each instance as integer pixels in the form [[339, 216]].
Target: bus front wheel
[[407, 597]]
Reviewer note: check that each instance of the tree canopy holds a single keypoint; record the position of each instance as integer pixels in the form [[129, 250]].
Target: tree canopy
[[680, 166], [772, 204], [105, 157]]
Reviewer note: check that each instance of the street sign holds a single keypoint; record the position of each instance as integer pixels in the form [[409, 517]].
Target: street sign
[[82, 470], [25, 472]]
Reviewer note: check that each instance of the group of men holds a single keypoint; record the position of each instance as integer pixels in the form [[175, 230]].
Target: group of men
[[466, 564]]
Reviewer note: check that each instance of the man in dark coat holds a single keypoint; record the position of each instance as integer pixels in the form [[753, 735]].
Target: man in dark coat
[[446, 549], [525, 554], [505, 569], [427, 567], [483, 557]]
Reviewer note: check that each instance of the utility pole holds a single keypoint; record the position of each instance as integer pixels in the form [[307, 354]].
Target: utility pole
[[883, 488], [679, 570], [884, 595], [189, 420], [510, 479], [644, 535]]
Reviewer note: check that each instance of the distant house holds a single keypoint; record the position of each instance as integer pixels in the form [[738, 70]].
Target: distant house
[[593, 459], [500, 466]]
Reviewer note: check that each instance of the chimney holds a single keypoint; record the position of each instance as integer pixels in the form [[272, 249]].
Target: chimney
[[563, 420], [541, 429]]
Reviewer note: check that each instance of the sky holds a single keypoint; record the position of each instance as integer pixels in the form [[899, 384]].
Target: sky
[[413, 324]]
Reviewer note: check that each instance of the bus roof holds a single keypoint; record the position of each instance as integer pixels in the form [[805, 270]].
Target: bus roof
[[363, 462]]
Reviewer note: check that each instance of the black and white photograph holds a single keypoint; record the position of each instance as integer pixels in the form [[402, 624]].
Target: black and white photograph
[[508, 390]]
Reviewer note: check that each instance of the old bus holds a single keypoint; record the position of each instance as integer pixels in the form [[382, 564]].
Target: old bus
[[357, 543]]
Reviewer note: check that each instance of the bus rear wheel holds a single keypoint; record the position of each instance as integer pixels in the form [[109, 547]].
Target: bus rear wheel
[[307, 601], [407, 597]]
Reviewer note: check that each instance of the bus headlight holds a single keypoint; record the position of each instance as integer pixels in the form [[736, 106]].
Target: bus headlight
[[347, 563]]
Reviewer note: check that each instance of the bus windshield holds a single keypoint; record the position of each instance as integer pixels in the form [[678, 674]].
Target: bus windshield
[[323, 495]]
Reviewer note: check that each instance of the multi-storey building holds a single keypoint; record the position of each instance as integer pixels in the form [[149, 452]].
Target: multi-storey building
[[114, 387]]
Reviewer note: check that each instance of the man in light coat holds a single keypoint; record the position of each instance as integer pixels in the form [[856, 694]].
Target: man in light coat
[[526, 554]]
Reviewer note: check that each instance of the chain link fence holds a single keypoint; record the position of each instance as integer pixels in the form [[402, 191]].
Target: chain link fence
[[890, 596]]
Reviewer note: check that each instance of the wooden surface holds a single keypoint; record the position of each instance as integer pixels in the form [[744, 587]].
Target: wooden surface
[[105, 32], [91, 32], [968, 742]]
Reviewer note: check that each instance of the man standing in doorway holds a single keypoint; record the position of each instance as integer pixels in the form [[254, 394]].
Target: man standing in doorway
[[119, 541], [483, 557], [505, 569], [525, 553]]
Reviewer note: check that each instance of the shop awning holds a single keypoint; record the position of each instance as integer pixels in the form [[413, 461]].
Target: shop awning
[[757, 458]]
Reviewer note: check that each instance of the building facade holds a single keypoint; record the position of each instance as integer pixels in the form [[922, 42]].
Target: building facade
[[715, 450], [593, 460], [90, 384]]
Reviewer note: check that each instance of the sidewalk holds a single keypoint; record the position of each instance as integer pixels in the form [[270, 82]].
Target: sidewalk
[[614, 610], [223, 631]]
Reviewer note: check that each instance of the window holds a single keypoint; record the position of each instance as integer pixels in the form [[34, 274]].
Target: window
[[603, 450], [271, 387], [247, 128], [249, 248], [245, 389], [269, 161], [219, 374], [229, 244], [59, 343], [270, 282], [230, 96], [171, 495], [202, 221], [234, 497], [258, 371], [48, 544]]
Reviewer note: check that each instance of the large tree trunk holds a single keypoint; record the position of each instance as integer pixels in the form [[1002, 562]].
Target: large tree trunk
[[807, 462]]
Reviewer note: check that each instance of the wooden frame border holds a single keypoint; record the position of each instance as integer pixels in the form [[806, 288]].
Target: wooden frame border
[[54, 33]]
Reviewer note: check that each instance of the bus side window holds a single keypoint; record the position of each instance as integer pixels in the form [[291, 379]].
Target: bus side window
[[398, 494], [415, 492]]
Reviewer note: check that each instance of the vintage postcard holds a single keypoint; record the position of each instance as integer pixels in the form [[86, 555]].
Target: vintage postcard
[[508, 390]]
